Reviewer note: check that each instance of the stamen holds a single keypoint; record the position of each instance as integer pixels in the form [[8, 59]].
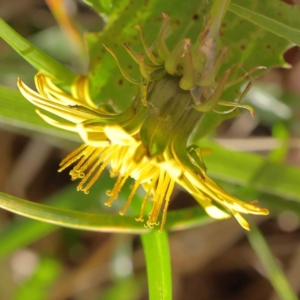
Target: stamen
[[128, 202], [89, 161], [72, 154], [118, 186], [137, 183], [75, 173], [96, 176], [149, 190], [81, 155], [167, 200], [104, 156], [163, 183], [163, 193], [109, 193]]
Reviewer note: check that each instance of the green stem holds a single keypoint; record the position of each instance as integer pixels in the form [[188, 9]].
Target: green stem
[[37, 58], [156, 248]]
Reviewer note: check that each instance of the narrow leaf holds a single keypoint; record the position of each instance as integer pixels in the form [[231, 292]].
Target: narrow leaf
[[274, 273], [71, 219], [272, 25], [242, 168], [38, 59], [19, 113], [180, 219]]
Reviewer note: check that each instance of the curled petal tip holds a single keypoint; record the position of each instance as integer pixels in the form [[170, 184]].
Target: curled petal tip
[[247, 227], [264, 211]]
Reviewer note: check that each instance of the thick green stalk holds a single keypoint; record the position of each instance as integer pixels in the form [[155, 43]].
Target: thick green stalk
[[156, 248]]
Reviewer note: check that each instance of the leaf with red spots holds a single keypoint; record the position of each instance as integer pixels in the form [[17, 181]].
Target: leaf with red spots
[[254, 45], [106, 80], [248, 43]]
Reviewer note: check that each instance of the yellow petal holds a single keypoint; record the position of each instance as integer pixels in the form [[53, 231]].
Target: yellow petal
[[69, 127], [65, 112], [117, 135], [95, 139], [80, 91], [241, 220], [211, 209]]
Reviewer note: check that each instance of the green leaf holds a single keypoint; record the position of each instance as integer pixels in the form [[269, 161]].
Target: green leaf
[[156, 248], [186, 218], [244, 168], [248, 44], [277, 205], [209, 122], [106, 80], [101, 6], [252, 44], [95, 222], [276, 16], [19, 113], [38, 59], [274, 273], [128, 288], [71, 219], [24, 231]]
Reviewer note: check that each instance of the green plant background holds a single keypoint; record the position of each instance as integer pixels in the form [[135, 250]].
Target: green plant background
[[257, 33]]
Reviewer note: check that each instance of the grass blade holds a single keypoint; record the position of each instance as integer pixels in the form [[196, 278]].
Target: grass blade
[[180, 219], [37, 58], [16, 111], [244, 168], [69, 218], [274, 273], [272, 25]]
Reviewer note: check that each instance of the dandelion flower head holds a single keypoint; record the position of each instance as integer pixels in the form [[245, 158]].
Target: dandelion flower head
[[149, 141]]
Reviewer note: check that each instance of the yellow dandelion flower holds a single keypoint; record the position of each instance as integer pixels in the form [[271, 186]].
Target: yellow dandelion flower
[[149, 141]]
